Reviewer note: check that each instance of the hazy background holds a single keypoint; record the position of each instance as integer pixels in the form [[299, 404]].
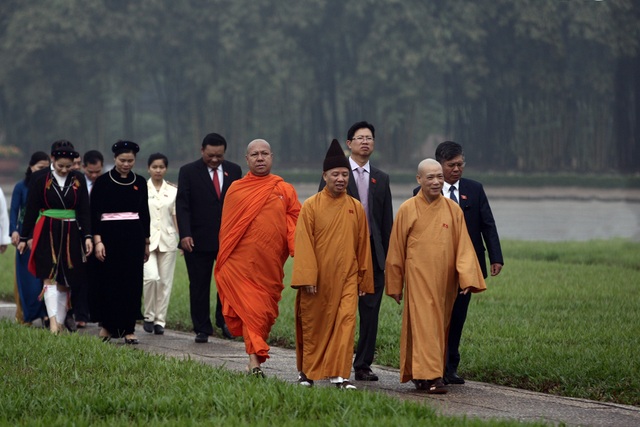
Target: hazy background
[[525, 85]]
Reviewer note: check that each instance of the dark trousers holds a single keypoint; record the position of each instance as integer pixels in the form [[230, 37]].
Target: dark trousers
[[458, 317], [200, 271], [80, 302], [369, 309]]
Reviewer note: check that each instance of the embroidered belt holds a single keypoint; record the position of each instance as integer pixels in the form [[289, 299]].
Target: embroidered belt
[[119, 216]]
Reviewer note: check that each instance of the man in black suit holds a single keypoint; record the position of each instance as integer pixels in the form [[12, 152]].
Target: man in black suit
[[472, 199], [377, 203], [202, 186]]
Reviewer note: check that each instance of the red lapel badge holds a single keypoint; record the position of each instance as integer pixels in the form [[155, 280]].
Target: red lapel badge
[[463, 197], [350, 211], [226, 174], [445, 225], [135, 187], [373, 180]]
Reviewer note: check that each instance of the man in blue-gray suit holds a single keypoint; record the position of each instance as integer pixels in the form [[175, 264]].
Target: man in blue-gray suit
[[366, 179], [482, 229]]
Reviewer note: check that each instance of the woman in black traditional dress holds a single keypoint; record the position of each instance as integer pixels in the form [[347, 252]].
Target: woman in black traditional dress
[[120, 220], [57, 228]]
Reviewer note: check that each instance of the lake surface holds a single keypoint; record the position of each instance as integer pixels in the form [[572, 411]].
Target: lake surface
[[553, 219], [547, 214]]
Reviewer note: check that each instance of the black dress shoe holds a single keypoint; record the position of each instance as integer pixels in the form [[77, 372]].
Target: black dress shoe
[[158, 330], [147, 326], [70, 324], [453, 378], [366, 375], [226, 332], [201, 337]]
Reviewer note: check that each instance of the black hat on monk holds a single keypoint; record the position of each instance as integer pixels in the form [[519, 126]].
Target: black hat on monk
[[124, 147], [64, 149], [335, 157]]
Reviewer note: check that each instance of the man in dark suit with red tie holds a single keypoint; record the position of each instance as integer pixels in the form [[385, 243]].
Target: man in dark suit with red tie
[[482, 229], [202, 186], [364, 178]]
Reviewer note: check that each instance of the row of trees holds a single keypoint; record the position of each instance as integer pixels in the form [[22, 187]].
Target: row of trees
[[527, 85]]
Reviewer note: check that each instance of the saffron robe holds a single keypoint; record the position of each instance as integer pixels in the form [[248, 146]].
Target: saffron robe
[[333, 253], [256, 237], [430, 251]]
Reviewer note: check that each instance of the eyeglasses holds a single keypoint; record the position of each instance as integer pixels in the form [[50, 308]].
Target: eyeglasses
[[362, 138], [453, 165]]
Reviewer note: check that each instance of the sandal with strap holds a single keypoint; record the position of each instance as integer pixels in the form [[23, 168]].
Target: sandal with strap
[[131, 340], [304, 381], [257, 372], [436, 386], [346, 385]]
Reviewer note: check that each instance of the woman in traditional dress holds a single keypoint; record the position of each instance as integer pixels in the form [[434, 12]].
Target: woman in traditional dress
[[29, 306], [120, 217], [158, 271], [57, 229]]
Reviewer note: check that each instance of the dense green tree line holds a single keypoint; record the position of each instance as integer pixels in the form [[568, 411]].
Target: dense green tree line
[[526, 85]]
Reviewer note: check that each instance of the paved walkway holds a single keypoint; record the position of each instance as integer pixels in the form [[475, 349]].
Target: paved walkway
[[473, 399]]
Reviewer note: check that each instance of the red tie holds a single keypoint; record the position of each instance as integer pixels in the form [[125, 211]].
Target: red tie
[[216, 182]]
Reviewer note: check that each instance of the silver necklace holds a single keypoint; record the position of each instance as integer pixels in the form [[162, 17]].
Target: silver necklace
[[121, 183]]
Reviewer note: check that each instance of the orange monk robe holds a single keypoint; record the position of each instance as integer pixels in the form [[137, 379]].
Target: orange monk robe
[[256, 237], [333, 253], [431, 253]]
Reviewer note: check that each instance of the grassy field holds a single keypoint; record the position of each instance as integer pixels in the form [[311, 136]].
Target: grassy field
[[561, 318], [78, 380]]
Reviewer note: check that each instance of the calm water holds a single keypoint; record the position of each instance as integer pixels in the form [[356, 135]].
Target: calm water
[[539, 219], [557, 220]]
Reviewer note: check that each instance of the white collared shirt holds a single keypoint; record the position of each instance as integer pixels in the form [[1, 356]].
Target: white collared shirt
[[220, 175], [446, 190], [366, 167]]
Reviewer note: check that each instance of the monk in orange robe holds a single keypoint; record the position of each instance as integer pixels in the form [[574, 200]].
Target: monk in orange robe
[[431, 253], [332, 267], [256, 238]]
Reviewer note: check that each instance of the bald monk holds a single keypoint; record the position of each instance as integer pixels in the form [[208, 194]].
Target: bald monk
[[430, 228], [256, 238], [331, 269]]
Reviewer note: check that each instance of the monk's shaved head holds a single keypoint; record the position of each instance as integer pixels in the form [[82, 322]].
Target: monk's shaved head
[[426, 164], [255, 142], [430, 178], [259, 157]]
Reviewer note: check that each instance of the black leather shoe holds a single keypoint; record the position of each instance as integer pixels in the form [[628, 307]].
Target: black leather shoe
[[453, 378], [147, 326], [227, 333], [70, 324], [366, 375], [201, 337], [158, 330]]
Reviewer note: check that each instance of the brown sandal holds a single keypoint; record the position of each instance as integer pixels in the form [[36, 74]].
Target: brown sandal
[[435, 386]]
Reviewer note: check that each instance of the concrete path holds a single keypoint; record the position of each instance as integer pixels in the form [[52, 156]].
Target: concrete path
[[472, 400]]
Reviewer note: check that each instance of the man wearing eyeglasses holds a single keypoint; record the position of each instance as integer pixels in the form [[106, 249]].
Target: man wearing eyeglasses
[[482, 229], [370, 186]]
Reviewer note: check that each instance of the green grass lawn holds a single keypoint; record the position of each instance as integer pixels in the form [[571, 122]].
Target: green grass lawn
[[561, 318], [78, 380]]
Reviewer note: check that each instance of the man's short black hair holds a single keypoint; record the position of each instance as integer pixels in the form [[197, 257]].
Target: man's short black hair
[[448, 150], [92, 157], [360, 125], [214, 139]]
